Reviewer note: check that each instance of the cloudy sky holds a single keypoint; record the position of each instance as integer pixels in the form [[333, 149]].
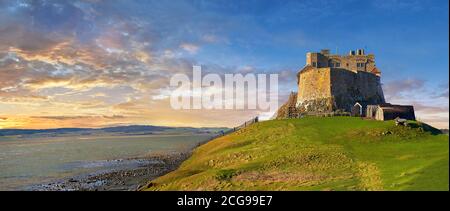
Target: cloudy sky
[[96, 63]]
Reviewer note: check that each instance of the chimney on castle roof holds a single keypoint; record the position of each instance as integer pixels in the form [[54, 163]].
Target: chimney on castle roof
[[361, 52], [325, 52], [351, 53]]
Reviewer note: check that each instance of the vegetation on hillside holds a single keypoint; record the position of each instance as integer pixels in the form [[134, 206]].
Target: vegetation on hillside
[[334, 153]]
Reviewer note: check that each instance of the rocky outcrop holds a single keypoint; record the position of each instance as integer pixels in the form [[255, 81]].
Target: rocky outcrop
[[320, 105], [287, 108]]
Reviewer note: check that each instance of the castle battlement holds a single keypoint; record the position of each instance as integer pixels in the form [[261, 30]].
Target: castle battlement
[[355, 61]]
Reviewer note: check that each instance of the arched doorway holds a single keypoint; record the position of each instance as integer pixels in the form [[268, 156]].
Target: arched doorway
[[357, 110]]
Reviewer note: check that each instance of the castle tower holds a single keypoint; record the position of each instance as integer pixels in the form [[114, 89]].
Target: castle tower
[[330, 82]]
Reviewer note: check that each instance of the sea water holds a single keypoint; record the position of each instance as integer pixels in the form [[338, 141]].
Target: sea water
[[28, 161]]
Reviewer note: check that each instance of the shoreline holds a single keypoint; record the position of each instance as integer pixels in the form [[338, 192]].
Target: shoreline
[[149, 168]]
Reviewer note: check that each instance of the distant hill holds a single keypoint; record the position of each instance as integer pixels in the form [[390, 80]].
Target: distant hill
[[312, 153], [132, 129]]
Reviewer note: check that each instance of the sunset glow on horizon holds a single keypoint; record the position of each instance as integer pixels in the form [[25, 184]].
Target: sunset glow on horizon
[[94, 63]]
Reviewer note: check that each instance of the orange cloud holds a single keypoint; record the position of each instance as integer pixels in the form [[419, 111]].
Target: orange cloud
[[42, 122]]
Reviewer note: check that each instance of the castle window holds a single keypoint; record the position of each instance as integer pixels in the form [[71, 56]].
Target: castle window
[[314, 64], [338, 64]]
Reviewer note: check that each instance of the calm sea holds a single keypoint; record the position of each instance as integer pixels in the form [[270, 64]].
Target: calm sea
[[29, 161]]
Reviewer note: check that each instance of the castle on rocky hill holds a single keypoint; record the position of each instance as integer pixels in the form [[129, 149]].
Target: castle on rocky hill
[[331, 84]]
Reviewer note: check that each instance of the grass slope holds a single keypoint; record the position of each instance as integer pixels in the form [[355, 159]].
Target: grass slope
[[335, 153]]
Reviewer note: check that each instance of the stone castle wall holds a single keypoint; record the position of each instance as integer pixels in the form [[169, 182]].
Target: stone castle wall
[[314, 91], [315, 83], [348, 88], [331, 89]]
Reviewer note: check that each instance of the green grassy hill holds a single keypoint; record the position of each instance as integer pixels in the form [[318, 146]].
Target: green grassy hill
[[334, 153]]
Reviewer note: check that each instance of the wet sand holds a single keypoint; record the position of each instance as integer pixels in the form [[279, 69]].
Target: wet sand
[[148, 168], [124, 174], [144, 169]]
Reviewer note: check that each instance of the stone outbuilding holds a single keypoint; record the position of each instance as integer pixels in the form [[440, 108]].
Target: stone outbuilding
[[371, 111], [389, 112]]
